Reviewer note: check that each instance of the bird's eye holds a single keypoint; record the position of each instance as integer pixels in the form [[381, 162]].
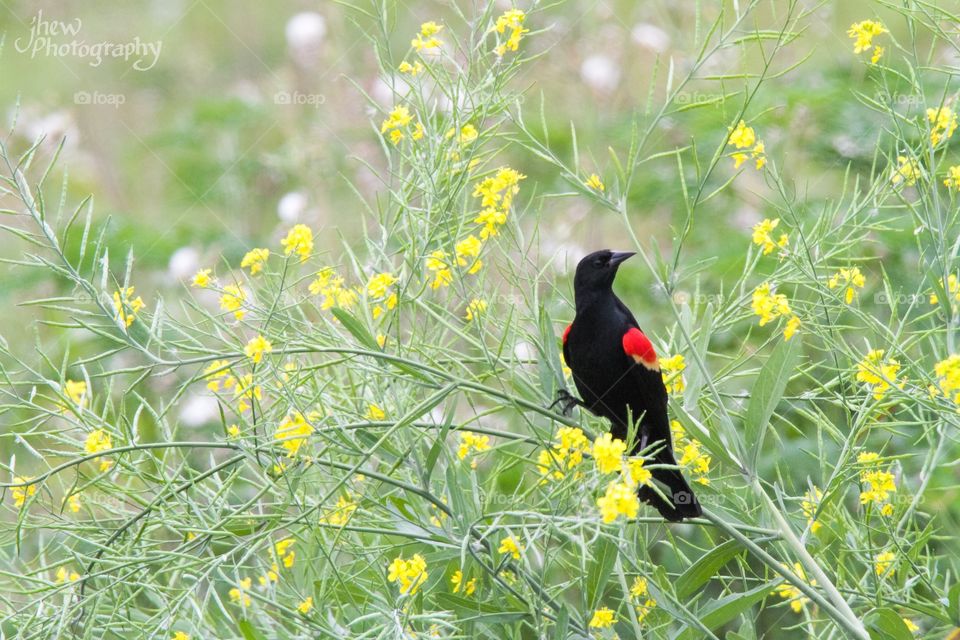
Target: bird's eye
[[598, 262]]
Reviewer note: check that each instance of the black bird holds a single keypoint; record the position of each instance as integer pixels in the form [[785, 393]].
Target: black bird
[[616, 371]]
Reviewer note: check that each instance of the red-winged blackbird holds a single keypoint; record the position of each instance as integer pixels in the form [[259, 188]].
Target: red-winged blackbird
[[616, 371]]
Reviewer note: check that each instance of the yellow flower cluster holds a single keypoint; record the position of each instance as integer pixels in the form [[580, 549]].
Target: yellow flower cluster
[[763, 235], [789, 592], [239, 594], [378, 289], [457, 581], [305, 606], [232, 299], [284, 552], [594, 182], [863, 34], [879, 483], [851, 279], [943, 122], [410, 574], [468, 254], [217, 375], [770, 305], [878, 373], [127, 306], [256, 347], [882, 561], [427, 39], [744, 137], [76, 392], [641, 599], [330, 287], [375, 413], [948, 379], [510, 546], [952, 289], [952, 181], [341, 513], [475, 308], [608, 453], [398, 124], [603, 618], [496, 195], [906, 172], [414, 69], [513, 20], [294, 430], [438, 264], [254, 260], [809, 505], [20, 494], [620, 499], [672, 371], [98, 441], [692, 456], [299, 241], [65, 575], [566, 454], [202, 278], [471, 441]]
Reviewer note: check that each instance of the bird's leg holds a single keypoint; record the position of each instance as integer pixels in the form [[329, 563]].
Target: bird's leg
[[567, 402]]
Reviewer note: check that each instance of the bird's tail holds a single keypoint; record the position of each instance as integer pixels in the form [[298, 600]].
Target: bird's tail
[[684, 503]]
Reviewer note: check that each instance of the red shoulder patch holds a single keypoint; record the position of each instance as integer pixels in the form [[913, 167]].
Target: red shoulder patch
[[638, 346], [566, 332]]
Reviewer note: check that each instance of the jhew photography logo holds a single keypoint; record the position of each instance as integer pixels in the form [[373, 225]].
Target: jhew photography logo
[[59, 39]]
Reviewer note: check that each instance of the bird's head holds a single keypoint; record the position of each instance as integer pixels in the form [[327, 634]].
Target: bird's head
[[595, 273]]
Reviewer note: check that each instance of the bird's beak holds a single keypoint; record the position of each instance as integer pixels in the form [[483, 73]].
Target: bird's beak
[[620, 256]]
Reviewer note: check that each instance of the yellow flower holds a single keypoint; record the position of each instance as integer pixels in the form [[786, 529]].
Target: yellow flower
[[475, 309], [331, 288], [496, 195], [299, 240], [608, 453], [233, 431], [293, 431], [284, 552], [594, 182], [566, 454], [943, 123], [438, 264], [863, 34], [468, 252], [769, 305], [789, 592], [619, 499], [672, 371], [375, 413], [64, 575], [636, 473], [20, 494], [468, 133], [410, 574], [202, 279], [952, 181], [878, 373], [851, 278], [911, 625], [412, 69], [214, 372], [238, 595], [877, 54], [244, 391], [257, 347], [513, 20], [882, 562], [694, 458], [793, 325], [73, 502], [254, 260], [379, 285], [398, 118], [457, 581], [509, 545], [381, 340], [907, 171], [232, 299], [603, 618], [639, 587], [742, 136], [471, 441], [341, 513], [877, 483], [809, 506], [948, 378], [763, 235], [126, 306], [180, 635], [273, 575], [98, 441], [306, 605], [76, 392]]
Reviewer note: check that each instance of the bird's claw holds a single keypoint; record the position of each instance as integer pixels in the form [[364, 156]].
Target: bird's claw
[[566, 400]]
